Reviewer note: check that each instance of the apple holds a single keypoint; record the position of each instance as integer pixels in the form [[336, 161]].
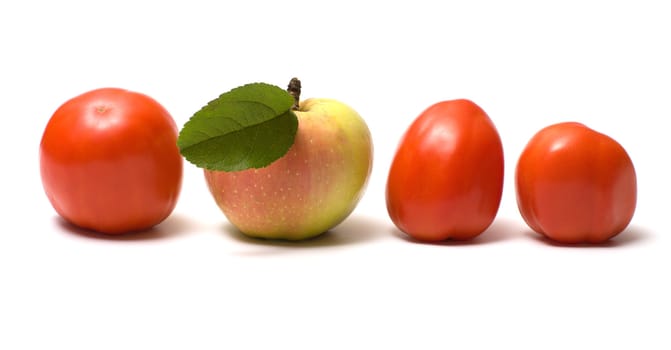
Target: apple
[[312, 188]]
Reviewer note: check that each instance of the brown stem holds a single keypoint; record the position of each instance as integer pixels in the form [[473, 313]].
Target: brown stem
[[294, 89]]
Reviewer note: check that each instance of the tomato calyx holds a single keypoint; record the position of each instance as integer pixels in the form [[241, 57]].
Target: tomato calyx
[[102, 108]]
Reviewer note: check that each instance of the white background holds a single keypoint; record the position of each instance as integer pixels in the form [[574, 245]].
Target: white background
[[193, 283]]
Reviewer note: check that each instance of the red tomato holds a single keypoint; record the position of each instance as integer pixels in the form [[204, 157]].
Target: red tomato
[[575, 185], [446, 179], [109, 161]]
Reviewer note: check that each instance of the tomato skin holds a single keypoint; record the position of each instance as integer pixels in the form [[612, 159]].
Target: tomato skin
[[446, 179], [109, 161], [575, 185]]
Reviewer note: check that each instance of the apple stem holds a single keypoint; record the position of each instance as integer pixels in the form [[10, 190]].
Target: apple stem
[[294, 89]]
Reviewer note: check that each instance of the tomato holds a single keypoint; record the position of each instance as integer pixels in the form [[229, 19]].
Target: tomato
[[446, 179], [109, 161], [575, 185]]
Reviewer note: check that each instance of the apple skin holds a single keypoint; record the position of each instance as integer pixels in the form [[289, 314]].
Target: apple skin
[[312, 188]]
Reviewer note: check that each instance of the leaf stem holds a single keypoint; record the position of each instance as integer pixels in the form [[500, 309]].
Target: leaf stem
[[294, 90]]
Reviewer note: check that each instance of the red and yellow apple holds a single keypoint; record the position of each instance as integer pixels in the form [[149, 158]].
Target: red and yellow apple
[[312, 188]]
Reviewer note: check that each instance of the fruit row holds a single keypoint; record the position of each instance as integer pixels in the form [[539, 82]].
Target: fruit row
[[111, 161]]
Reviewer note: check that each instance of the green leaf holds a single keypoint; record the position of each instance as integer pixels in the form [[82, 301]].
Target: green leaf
[[248, 127]]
